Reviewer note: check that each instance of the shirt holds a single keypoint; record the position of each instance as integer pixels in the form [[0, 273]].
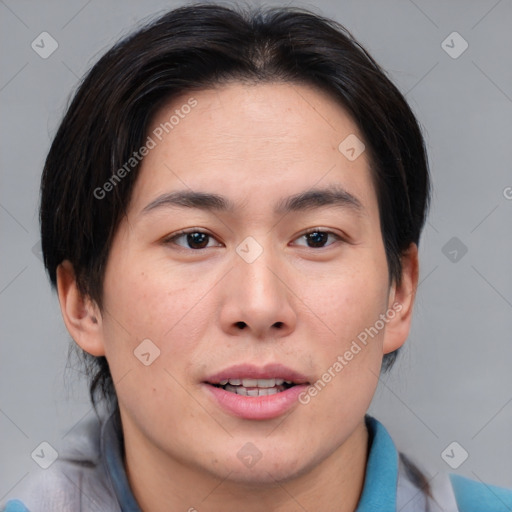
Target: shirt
[[89, 476]]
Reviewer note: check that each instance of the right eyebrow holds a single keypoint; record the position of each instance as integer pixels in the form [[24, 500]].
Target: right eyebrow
[[190, 199]]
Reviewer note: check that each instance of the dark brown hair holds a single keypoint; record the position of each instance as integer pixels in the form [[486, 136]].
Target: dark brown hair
[[195, 47]]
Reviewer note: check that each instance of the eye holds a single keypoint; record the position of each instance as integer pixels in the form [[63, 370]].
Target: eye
[[193, 238], [318, 238]]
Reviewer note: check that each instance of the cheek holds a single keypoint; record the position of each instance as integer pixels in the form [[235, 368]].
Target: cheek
[[168, 307], [165, 309], [152, 297], [350, 353], [351, 301], [353, 304]]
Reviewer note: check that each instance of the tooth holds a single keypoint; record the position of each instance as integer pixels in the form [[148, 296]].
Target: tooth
[[255, 391], [250, 383], [288, 382], [279, 382], [235, 382], [267, 391], [223, 382], [266, 383]]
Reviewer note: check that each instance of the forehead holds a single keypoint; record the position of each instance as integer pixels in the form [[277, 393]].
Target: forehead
[[250, 142]]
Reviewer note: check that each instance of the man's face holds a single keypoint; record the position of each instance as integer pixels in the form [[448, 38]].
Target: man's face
[[250, 295]]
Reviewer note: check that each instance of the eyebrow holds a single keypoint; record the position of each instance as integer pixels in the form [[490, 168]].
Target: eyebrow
[[334, 196]]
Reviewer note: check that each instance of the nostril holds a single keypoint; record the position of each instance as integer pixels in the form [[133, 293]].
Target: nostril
[[241, 325], [279, 325]]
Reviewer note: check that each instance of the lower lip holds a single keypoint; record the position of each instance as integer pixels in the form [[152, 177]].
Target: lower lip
[[256, 407]]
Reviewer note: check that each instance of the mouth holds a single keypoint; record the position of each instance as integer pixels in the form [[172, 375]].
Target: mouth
[[256, 393], [255, 387]]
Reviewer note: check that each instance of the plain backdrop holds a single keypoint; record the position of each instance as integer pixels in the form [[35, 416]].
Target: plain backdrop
[[453, 380]]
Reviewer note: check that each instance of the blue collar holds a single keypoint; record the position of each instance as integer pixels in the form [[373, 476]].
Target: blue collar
[[112, 445], [380, 483]]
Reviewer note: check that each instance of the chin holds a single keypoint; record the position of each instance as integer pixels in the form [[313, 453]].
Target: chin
[[265, 472], [262, 477]]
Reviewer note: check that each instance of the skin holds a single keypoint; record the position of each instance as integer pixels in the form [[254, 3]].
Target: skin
[[254, 144]]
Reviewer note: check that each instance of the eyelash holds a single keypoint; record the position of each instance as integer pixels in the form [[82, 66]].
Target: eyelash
[[171, 239]]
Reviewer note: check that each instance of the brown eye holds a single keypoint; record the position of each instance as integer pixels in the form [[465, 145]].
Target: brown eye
[[193, 239], [318, 238], [197, 240]]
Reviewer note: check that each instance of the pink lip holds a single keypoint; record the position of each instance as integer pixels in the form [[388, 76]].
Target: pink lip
[[256, 407]]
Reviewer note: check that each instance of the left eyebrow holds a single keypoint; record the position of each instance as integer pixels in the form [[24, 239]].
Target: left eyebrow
[[333, 196]]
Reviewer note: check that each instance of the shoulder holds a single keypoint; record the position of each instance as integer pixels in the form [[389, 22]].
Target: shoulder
[[415, 493], [448, 493], [76, 481], [476, 496]]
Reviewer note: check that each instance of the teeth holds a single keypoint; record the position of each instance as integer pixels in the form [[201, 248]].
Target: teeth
[[254, 383], [267, 391], [241, 390], [258, 383], [255, 387]]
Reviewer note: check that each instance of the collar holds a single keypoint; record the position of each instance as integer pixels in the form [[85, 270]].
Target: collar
[[112, 445], [380, 483], [381, 478]]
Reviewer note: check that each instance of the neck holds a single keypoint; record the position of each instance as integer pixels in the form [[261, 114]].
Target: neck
[[160, 483]]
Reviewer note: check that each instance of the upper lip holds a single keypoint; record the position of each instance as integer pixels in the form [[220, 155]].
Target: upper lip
[[250, 371]]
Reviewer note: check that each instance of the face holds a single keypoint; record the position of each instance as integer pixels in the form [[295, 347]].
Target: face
[[211, 304]]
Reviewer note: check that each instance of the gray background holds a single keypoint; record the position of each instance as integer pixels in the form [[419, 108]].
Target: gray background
[[453, 381]]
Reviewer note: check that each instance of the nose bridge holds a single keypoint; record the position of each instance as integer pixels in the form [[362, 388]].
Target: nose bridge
[[257, 269], [258, 297]]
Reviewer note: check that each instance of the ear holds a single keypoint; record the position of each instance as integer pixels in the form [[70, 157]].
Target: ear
[[81, 315], [401, 302]]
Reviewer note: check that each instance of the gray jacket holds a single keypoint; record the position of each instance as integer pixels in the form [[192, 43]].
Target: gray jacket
[[89, 475]]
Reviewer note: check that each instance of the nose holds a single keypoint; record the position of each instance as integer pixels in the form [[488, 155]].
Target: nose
[[258, 299]]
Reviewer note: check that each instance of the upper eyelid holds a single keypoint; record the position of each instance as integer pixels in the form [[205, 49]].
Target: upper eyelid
[[320, 230], [172, 237]]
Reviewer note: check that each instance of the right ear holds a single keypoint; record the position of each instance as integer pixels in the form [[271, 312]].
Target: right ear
[[81, 315]]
